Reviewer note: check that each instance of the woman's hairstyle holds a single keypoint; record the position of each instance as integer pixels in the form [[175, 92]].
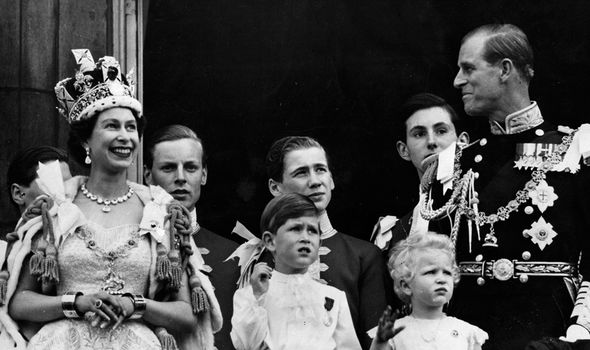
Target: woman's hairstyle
[[81, 130], [403, 258], [170, 133], [285, 207]]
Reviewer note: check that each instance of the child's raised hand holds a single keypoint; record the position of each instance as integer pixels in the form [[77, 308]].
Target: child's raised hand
[[259, 279], [386, 330]]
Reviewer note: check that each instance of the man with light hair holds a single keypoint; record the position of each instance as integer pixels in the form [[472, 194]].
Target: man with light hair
[[175, 159]]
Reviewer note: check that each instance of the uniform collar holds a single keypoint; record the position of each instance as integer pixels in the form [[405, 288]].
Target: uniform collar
[[326, 227], [519, 121]]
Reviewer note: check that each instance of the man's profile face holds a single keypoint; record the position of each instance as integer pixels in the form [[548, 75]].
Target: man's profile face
[[177, 167], [478, 80], [428, 132], [306, 171]]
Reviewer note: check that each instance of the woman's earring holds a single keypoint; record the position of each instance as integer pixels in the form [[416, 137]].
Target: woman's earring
[[87, 160]]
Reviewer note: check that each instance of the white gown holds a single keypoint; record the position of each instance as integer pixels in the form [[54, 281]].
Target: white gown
[[447, 333], [87, 270]]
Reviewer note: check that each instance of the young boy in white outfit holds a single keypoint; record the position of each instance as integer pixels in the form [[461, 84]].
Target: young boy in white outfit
[[285, 308]]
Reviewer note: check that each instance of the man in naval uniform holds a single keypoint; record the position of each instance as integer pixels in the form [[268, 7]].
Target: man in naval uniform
[[299, 164], [176, 160], [517, 201]]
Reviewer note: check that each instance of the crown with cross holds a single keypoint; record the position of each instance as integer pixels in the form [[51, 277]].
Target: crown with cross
[[94, 88]]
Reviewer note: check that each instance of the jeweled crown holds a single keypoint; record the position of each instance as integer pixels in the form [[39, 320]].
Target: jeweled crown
[[94, 88]]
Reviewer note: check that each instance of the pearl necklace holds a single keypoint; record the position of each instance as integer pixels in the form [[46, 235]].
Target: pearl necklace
[[107, 202]]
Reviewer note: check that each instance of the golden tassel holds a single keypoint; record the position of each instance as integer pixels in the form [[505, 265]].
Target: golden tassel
[[50, 266], [162, 263], [43, 263], [175, 269], [175, 219], [199, 299], [38, 259]]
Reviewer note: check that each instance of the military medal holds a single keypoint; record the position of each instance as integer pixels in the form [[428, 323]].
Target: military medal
[[543, 196], [537, 189], [328, 305], [532, 155], [541, 233], [525, 156]]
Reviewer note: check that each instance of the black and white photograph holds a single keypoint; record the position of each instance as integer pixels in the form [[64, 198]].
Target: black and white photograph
[[294, 174]]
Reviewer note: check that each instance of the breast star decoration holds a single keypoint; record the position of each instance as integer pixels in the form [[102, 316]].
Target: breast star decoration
[[541, 233], [543, 196]]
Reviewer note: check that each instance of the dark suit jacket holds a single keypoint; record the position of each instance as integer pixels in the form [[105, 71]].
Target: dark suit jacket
[[224, 275], [357, 268]]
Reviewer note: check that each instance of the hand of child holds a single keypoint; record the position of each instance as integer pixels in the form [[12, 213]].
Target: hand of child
[[386, 329], [259, 279]]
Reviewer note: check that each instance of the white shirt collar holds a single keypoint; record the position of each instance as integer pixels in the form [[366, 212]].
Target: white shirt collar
[[326, 227]]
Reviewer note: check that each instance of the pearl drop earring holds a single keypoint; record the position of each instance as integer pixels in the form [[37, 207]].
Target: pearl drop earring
[[87, 160]]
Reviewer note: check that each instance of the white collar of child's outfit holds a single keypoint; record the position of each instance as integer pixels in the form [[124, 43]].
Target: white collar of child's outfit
[[300, 292], [326, 226], [194, 224], [519, 121]]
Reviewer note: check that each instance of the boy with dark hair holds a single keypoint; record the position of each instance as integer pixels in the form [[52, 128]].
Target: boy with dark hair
[[22, 172], [291, 310], [23, 188], [427, 125], [299, 164]]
